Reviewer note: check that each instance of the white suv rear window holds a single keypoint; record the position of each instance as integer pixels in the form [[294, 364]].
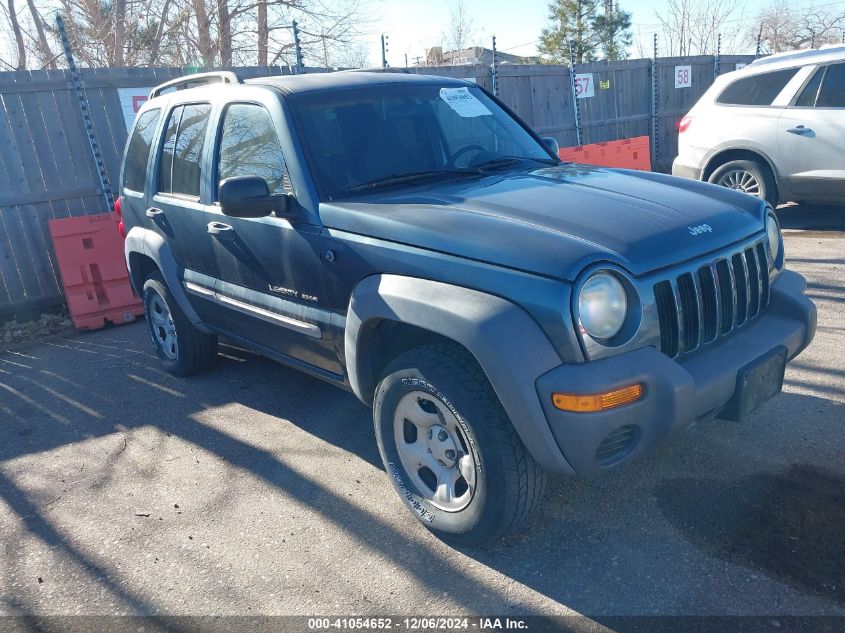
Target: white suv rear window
[[757, 90]]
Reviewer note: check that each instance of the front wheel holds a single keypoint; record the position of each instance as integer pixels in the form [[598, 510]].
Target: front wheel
[[747, 176], [449, 448]]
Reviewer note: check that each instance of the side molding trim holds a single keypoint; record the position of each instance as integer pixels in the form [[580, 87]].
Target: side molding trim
[[263, 313], [292, 324], [199, 290]]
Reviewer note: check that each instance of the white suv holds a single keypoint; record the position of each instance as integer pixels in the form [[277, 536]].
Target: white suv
[[774, 129]]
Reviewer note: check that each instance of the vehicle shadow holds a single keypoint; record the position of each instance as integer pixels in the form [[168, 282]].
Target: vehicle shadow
[[812, 217], [587, 547], [783, 524], [787, 524], [150, 398]]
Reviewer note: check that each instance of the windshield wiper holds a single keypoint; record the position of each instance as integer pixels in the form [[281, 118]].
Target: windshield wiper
[[409, 178], [475, 170], [504, 161]]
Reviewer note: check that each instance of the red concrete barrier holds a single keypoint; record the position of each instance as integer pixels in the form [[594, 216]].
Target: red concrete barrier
[[631, 153], [89, 254]]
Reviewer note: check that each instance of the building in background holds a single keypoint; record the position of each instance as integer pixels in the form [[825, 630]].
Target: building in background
[[436, 56]]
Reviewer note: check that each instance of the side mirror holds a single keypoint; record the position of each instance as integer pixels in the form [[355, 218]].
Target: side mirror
[[551, 144], [249, 197]]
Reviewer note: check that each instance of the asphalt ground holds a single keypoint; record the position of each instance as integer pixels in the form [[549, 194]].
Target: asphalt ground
[[254, 489]]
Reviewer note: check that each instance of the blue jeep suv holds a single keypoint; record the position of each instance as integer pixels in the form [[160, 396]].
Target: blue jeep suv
[[409, 239]]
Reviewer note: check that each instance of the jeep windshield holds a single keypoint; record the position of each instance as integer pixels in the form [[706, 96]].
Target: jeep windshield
[[390, 136]]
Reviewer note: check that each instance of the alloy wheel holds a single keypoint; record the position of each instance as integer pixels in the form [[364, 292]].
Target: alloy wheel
[[164, 330], [740, 180], [435, 451]]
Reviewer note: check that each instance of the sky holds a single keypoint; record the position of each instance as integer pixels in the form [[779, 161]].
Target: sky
[[414, 25]]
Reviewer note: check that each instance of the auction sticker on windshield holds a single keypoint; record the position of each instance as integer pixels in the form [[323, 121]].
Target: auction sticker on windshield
[[462, 101]]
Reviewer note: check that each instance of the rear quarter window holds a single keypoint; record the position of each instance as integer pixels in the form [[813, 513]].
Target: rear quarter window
[[188, 149], [135, 169], [757, 90], [807, 98]]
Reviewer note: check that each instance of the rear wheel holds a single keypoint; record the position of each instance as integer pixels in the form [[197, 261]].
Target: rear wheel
[[748, 176], [449, 448], [182, 349]]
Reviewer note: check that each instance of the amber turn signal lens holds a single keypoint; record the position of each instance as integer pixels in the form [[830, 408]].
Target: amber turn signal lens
[[599, 401]]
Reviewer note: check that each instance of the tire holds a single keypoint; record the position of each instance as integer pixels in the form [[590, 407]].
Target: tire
[[442, 386], [182, 349], [749, 176]]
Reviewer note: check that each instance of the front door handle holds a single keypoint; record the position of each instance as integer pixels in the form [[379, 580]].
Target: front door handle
[[154, 213], [800, 130], [220, 230]]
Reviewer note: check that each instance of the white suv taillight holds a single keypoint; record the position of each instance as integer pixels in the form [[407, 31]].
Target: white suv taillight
[[118, 214], [684, 124]]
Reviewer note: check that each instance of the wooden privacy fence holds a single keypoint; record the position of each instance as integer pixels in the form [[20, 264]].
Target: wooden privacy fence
[[622, 103], [47, 170]]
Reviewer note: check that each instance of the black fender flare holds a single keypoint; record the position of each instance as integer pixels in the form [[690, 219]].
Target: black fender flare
[[506, 342], [153, 245]]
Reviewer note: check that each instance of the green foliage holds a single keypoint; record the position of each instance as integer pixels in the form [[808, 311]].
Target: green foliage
[[594, 34], [571, 21], [614, 33]]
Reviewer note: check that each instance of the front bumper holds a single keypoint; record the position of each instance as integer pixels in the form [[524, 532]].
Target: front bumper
[[676, 392]]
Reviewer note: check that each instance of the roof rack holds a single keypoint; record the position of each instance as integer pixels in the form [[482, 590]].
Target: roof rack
[[199, 79], [377, 69], [800, 54]]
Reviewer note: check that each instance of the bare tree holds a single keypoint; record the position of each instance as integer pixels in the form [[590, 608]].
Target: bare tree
[[182, 32], [155, 33], [692, 27], [352, 55], [18, 33], [321, 27], [640, 41], [262, 32], [45, 53], [203, 32], [119, 8], [224, 32], [783, 28], [461, 32]]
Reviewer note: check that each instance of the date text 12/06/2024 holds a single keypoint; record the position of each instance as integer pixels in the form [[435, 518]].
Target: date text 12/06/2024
[[417, 623]]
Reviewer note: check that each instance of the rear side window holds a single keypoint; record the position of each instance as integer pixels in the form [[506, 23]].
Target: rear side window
[[807, 98], [165, 166], [832, 94], [135, 169], [758, 90], [249, 146], [179, 168]]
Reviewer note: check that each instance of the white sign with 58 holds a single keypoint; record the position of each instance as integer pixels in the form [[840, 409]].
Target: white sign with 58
[[584, 86], [683, 76]]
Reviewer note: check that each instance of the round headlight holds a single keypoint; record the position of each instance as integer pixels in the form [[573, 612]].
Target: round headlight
[[602, 306], [773, 233]]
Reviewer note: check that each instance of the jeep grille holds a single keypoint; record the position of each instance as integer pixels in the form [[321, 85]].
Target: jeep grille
[[698, 307]]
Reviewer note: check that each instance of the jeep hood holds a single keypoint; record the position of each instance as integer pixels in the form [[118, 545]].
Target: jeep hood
[[555, 221]]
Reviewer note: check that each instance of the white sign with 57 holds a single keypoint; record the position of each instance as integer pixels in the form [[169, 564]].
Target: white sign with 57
[[584, 86]]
